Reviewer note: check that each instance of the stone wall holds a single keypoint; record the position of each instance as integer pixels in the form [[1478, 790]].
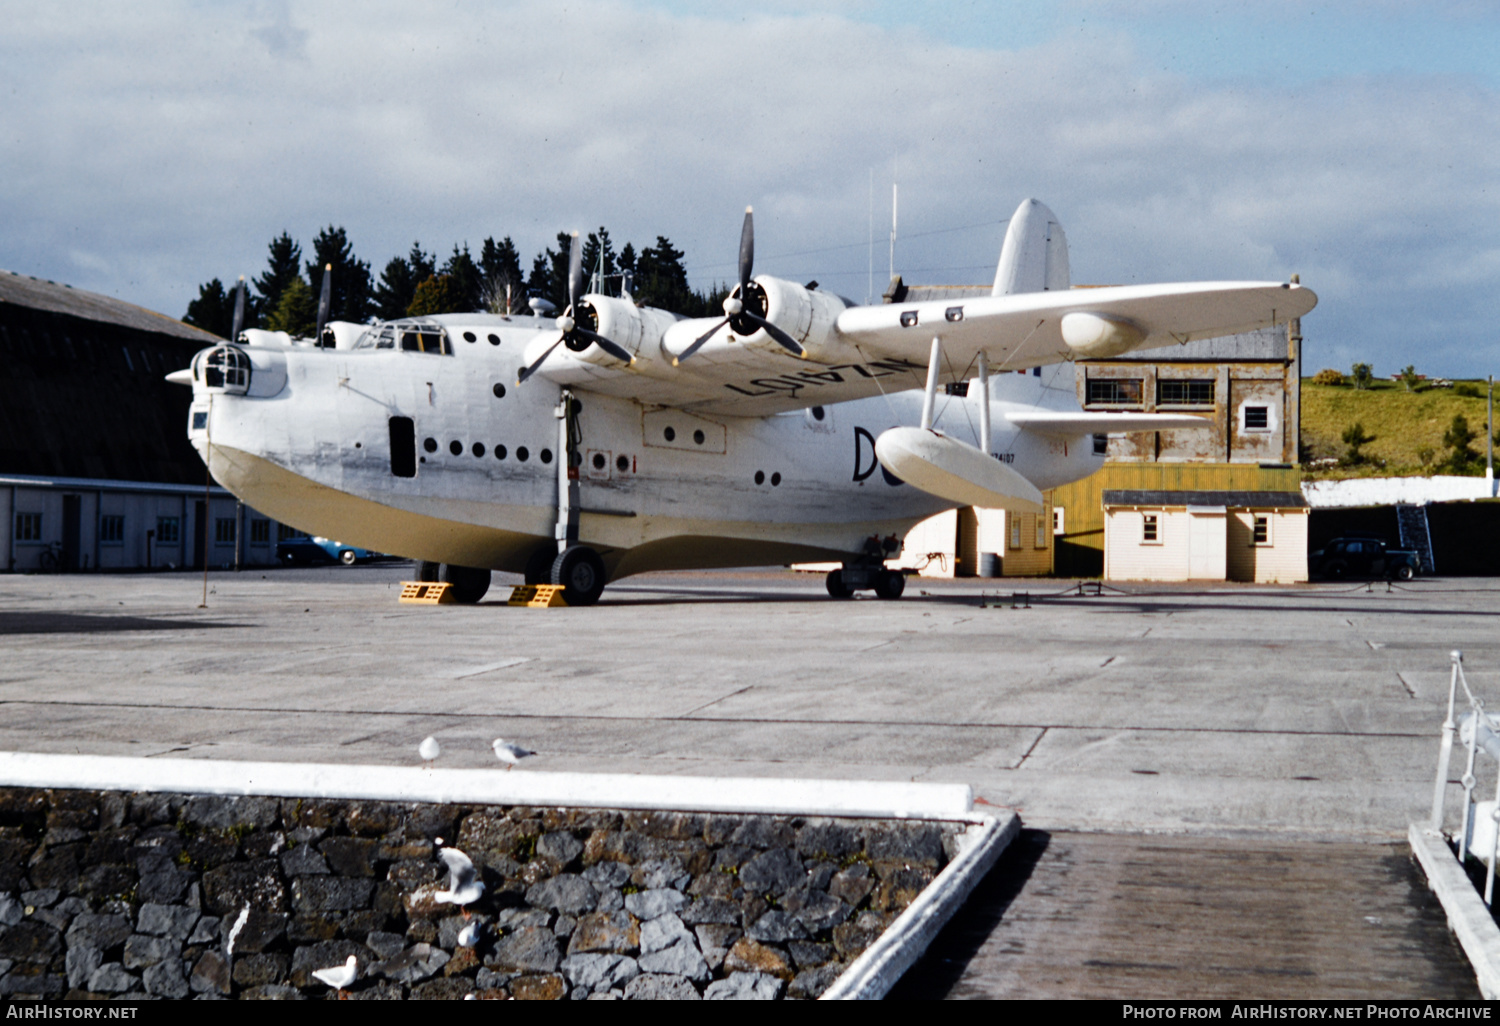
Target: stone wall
[[108, 894]]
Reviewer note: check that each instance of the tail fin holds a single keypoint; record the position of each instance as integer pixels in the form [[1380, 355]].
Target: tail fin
[[1035, 255]]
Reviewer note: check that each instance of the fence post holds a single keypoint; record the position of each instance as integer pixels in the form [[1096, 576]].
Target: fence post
[[1441, 787]]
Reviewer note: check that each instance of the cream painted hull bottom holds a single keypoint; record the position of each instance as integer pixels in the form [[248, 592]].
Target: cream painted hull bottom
[[672, 543]]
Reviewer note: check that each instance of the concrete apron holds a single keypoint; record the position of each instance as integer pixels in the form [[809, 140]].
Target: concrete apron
[[869, 977]]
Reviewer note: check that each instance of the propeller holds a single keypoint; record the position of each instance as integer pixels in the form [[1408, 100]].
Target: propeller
[[239, 310], [577, 338], [323, 302], [744, 320]]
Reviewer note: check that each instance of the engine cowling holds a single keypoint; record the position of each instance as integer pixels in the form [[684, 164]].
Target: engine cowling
[[637, 329], [803, 313]]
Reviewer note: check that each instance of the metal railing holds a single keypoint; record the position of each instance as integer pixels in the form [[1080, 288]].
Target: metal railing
[[1479, 834]]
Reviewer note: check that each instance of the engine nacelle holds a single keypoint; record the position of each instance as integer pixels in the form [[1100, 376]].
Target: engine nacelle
[[803, 313], [638, 329]]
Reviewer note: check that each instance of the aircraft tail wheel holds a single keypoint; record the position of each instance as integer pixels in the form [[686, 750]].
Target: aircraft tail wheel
[[469, 583], [836, 586], [427, 572], [580, 571], [1405, 572], [889, 584], [347, 557]]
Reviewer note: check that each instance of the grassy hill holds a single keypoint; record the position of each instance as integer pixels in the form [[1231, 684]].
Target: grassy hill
[[1408, 426]]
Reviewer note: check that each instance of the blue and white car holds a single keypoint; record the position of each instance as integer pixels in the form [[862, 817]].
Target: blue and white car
[[306, 551]]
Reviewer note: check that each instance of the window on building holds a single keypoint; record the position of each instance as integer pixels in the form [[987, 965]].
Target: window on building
[[1148, 528], [260, 531], [1257, 418], [1196, 392], [111, 529], [286, 532], [1262, 527], [28, 527], [1115, 391], [1041, 533], [1015, 530], [224, 531], [168, 530], [1058, 522]]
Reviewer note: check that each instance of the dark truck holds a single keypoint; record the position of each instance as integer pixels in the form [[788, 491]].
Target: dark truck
[[1363, 556]]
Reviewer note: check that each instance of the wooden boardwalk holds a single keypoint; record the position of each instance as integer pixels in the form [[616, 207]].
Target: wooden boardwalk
[[1070, 915]]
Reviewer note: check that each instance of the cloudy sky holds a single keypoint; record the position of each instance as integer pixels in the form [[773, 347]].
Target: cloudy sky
[[149, 147]]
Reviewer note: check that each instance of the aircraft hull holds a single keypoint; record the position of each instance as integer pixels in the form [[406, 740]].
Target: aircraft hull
[[658, 488]]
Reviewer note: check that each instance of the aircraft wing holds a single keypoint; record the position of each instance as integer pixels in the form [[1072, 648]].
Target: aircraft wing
[[1072, 425], [1027, 329], [867, 350]]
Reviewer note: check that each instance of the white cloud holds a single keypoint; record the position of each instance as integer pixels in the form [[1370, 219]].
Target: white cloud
[[147, 150]]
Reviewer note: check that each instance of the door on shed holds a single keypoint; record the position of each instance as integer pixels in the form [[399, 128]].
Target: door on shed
[[72, 533], [1207, 526]]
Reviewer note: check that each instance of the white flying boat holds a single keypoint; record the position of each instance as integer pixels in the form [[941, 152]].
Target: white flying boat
[[617, 439]]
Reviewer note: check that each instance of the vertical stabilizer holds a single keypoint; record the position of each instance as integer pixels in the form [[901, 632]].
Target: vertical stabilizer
[[1035, 255]]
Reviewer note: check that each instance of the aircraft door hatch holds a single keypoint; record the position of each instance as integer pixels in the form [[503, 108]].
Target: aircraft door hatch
[[403, 447]]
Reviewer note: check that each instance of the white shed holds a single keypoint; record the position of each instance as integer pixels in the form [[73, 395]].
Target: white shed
[[1205, 536]]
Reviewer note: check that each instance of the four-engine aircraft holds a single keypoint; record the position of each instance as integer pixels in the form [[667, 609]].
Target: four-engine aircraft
[[617, 439]]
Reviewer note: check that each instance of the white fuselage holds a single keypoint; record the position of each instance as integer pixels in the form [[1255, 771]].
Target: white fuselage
[[659, 488]]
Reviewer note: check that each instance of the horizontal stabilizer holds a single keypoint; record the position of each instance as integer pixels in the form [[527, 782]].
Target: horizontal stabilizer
[[1072, 425], [955, 471]]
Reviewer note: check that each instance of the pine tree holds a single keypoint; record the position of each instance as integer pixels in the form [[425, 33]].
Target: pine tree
[[213, 310], [399, 281], [1356, 439], [465, 279], [283, 267], [598, 245], [352, 287], [1458, 438], [296, 312], [661, 280]]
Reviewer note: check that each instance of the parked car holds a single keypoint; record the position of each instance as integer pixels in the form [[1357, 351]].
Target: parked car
[[1363, 556], [310, 550]]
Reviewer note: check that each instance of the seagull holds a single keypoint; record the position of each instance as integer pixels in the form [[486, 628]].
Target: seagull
[[463, 888], [338, 976], [429, 749], [468, 935], [509, 752]]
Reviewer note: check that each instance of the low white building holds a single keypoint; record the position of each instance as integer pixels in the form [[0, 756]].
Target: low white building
[[1205, 536], [70, 523]]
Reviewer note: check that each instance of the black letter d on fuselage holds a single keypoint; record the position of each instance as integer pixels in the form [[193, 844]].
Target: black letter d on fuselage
[[861, 472]]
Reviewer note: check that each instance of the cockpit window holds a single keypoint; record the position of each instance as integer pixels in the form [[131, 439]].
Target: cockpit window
[[408, 336]]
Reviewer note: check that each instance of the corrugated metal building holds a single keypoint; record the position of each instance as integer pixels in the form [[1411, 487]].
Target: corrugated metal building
[[95, 466]]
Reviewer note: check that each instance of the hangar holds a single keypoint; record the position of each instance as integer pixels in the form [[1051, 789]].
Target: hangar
[[95, 466]]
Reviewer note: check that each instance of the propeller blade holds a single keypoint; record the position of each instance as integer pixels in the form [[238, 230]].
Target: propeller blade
[[323, 302], [690, 350], [747, 251], [619, 352], [239, 310], [575, 273], [786, 341], [529, 371]]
